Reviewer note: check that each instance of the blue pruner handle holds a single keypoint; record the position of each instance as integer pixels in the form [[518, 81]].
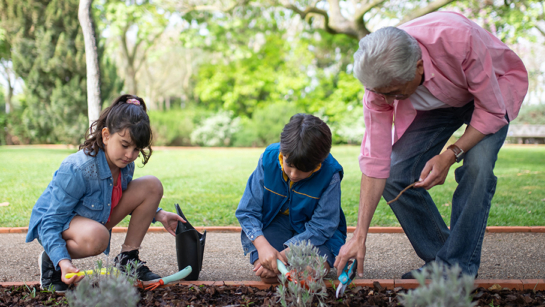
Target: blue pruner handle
[[349, 272]]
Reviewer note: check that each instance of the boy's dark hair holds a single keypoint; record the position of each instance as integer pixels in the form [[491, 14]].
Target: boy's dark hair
[[119, 116], [306, 141]]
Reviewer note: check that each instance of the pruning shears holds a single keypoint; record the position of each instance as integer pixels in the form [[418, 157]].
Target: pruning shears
[[171, 278], [346, 277]]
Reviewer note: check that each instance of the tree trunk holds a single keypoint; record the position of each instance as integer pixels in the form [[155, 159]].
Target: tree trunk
[[9, 98], [91, 56]]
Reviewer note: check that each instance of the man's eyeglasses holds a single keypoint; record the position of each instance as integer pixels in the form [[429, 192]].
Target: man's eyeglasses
[[395, 96]]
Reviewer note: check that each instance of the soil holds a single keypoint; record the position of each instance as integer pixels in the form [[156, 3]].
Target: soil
[[177, 295]]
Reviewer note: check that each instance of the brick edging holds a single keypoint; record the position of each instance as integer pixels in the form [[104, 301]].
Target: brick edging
[[491, 229], [518, 284]]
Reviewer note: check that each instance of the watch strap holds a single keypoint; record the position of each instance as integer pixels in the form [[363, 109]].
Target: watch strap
[[458, 152]]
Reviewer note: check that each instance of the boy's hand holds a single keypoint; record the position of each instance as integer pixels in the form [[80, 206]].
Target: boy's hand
[[268, 254], [262, 271], [67, 267], [169, 220]]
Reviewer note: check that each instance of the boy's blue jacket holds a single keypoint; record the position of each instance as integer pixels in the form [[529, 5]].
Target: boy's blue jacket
[[314, 203], [81, 186]]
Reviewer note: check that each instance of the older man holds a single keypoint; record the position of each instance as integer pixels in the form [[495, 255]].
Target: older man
[[427, 78]]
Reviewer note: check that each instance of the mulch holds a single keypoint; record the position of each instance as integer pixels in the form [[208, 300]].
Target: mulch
[[184, 295]]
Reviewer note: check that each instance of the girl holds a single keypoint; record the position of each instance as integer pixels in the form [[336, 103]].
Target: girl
[[93, 190]]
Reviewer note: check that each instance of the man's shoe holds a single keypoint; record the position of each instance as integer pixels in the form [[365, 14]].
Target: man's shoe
[[143, 272], [50, 279], [409, 275]]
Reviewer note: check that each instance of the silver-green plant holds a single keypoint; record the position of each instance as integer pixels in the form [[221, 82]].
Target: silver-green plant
[[447, 288], [116, 288], [307, 269]]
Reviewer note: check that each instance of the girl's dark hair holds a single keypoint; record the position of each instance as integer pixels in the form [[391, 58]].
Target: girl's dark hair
[[118, 117], [306, 141]]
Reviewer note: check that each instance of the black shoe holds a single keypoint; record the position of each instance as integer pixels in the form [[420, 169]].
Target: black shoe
[[50, 279], [143, 272], [409, 275]]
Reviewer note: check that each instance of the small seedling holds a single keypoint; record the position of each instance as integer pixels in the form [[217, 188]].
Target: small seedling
[[307, 271], [111, 289], [447, 288]]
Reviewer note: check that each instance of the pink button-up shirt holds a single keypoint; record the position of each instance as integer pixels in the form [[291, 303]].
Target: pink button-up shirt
[[462, 62]]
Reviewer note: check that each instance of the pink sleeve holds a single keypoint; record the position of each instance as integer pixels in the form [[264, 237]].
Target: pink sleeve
[[376, 147], [491, 87]]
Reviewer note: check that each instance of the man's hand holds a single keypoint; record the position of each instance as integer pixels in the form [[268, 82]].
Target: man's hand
[[354, 248], [436, 170], [268, 254], [169, 220], [67, 267]]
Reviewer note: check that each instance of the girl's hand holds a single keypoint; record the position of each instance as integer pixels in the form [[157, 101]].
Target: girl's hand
[[169, 220], [67, 267]]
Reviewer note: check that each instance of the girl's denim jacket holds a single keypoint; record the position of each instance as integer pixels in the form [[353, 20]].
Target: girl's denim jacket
[[81, 186]]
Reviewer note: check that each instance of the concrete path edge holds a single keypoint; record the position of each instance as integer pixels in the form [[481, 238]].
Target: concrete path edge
[[491, 229]]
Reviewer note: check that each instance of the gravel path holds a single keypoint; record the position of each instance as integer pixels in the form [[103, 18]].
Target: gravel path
[[505, 256]]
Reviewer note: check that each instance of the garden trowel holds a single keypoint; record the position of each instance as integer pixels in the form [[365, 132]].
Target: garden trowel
[[189, 246]]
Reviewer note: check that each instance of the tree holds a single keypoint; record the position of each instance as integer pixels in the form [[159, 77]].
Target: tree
[[91, 55], [349, 18], [7, 71], [48, 54], [135, 26]]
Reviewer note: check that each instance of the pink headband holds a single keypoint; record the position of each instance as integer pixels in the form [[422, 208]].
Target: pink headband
[[133, 101]]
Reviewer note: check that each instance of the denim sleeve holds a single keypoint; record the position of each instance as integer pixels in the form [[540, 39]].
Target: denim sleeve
[[250, 206], [67, 189], [327, 215]]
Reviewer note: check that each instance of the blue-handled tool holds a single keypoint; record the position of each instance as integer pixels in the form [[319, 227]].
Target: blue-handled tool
[[172, 278], [346, 277]]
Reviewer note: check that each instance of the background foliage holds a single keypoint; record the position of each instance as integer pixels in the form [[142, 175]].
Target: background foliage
[[250, 63]]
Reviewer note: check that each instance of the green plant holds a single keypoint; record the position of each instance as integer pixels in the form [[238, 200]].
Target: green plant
[[116, 288], [31, 292], [307, 269], [216, 130], [447, 288]]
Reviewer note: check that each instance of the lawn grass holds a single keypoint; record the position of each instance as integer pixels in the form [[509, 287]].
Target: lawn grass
[[208, 184]]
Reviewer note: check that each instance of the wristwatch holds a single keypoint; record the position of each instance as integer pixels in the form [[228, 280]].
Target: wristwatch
[[458, 152]]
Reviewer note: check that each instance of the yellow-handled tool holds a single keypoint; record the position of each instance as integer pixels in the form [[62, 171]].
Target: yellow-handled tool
[[103, 271]]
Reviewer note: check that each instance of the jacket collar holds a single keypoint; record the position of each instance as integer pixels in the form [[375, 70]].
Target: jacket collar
[[103, 168]]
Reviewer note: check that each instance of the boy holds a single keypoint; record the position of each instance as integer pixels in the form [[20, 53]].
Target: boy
[[294, 194]]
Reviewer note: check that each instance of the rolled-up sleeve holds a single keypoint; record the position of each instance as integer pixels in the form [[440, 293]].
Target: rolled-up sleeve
[[376, 146], [250, 206], [68, 187], [326, 217]]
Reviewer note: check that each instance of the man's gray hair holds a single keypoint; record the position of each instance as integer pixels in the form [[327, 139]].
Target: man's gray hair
[[386, 57]]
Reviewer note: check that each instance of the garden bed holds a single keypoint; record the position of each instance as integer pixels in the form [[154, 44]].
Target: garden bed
[[237, 295]]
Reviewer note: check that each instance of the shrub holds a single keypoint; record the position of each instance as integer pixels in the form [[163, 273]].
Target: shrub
[[216, 130], [351, 127], [305, 265], [447, 288], [113, 289], [174, 127], [265, 125]]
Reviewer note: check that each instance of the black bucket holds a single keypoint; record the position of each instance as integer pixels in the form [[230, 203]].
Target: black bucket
[[189, 246]]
